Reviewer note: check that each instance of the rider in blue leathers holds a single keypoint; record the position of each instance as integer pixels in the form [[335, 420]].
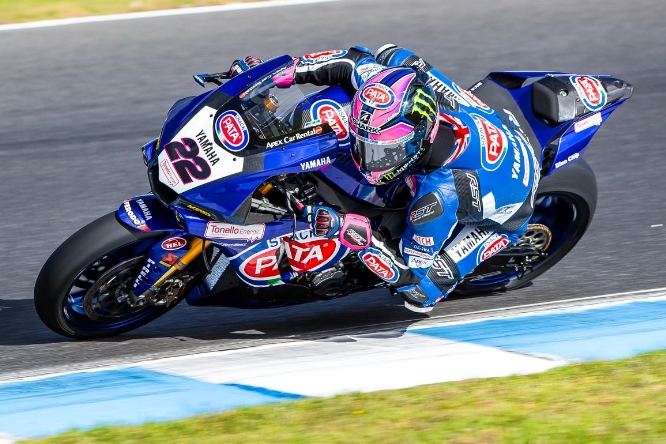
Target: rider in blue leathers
[[471, 172]]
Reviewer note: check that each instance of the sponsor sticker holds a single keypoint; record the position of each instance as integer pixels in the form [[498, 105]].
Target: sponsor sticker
[[591, 91], [222, 230], [446, 92], [368, 70], [261, 266], [491, 247], [169, 259], [418, 262], [329, 111], [169, 174], [363, 123], [588, 122], [474, 191], [413, 252], [441, 269], [302, 256], [494, 144], [324, 56], [472, 99], [317, 163], [138, 222], [427, 208], [310, 255], [463, 247], [379, 264], [377, 95], [424, 240], [296, 137], [232, 131], [174, 243], [563, 162]]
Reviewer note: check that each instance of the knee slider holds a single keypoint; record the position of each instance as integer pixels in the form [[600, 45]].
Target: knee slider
[[444, 272]]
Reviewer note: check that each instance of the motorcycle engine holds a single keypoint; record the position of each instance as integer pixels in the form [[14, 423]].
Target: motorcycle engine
[[328, 283]]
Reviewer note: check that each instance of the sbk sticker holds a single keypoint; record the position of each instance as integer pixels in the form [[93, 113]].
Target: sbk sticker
[[491, 247], [379, 264], [494, 144], [174, 243], [329, 111], [377, 95], [232, 131], [591, 92], [222, 230], [324, 56]]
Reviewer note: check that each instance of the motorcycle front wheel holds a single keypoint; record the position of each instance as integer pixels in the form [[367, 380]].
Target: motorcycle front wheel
[[81, 291]]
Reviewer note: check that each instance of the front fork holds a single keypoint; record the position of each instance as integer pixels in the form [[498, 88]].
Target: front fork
[[165, 259], [151, 272]]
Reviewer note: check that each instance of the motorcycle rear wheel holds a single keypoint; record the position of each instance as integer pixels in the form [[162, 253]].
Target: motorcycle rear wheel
[[79, 290], [564, 207]]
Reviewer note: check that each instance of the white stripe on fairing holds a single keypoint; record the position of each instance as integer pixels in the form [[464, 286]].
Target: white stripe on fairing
[[162, 13], [354, 364]]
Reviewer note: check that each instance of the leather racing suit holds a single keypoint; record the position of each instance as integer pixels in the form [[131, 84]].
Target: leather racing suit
[[472, 197]]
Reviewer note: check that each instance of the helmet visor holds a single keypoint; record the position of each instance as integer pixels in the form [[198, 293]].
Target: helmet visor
[[381, 157]]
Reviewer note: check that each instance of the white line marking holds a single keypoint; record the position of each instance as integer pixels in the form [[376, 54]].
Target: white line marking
[[656, 225], [162, 13], [584, 303]]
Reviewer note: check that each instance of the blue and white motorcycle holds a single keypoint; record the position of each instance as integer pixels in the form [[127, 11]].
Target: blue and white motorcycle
[[232, 168]]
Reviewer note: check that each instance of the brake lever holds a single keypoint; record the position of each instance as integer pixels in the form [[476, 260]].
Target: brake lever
[[215, 78]]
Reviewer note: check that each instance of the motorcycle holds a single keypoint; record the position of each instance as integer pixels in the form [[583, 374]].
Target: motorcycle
[[233, 167]]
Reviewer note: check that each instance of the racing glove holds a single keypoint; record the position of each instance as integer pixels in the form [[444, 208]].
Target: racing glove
[[287, 77], [353, 230], [239, 66]]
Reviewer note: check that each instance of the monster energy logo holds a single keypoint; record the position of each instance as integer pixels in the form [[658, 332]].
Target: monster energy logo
[[424, 105]]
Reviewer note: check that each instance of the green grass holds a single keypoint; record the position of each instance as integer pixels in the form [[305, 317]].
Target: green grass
[[599, 402], [16, 11]]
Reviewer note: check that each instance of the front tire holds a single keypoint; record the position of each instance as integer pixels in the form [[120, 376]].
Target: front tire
[[104, 250]]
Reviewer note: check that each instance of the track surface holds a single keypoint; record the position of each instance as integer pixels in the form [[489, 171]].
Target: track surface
[[77, 102]]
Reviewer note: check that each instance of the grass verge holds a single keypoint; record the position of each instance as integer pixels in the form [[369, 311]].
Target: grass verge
[[18, 11], [616, 401]]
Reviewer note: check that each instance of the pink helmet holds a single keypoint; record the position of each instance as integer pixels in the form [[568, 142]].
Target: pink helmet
[[393, 119]]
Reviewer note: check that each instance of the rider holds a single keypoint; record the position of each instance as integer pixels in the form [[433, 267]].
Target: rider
[[466, 166]]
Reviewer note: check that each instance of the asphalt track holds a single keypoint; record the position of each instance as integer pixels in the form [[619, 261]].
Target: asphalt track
[[77, 102]]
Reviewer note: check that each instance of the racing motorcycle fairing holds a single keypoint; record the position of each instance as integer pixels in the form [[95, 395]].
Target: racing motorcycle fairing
[[230, 131], [562, 110], [230, 140]]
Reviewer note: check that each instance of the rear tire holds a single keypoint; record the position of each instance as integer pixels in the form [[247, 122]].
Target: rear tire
[[566, 201], [77, 265]]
